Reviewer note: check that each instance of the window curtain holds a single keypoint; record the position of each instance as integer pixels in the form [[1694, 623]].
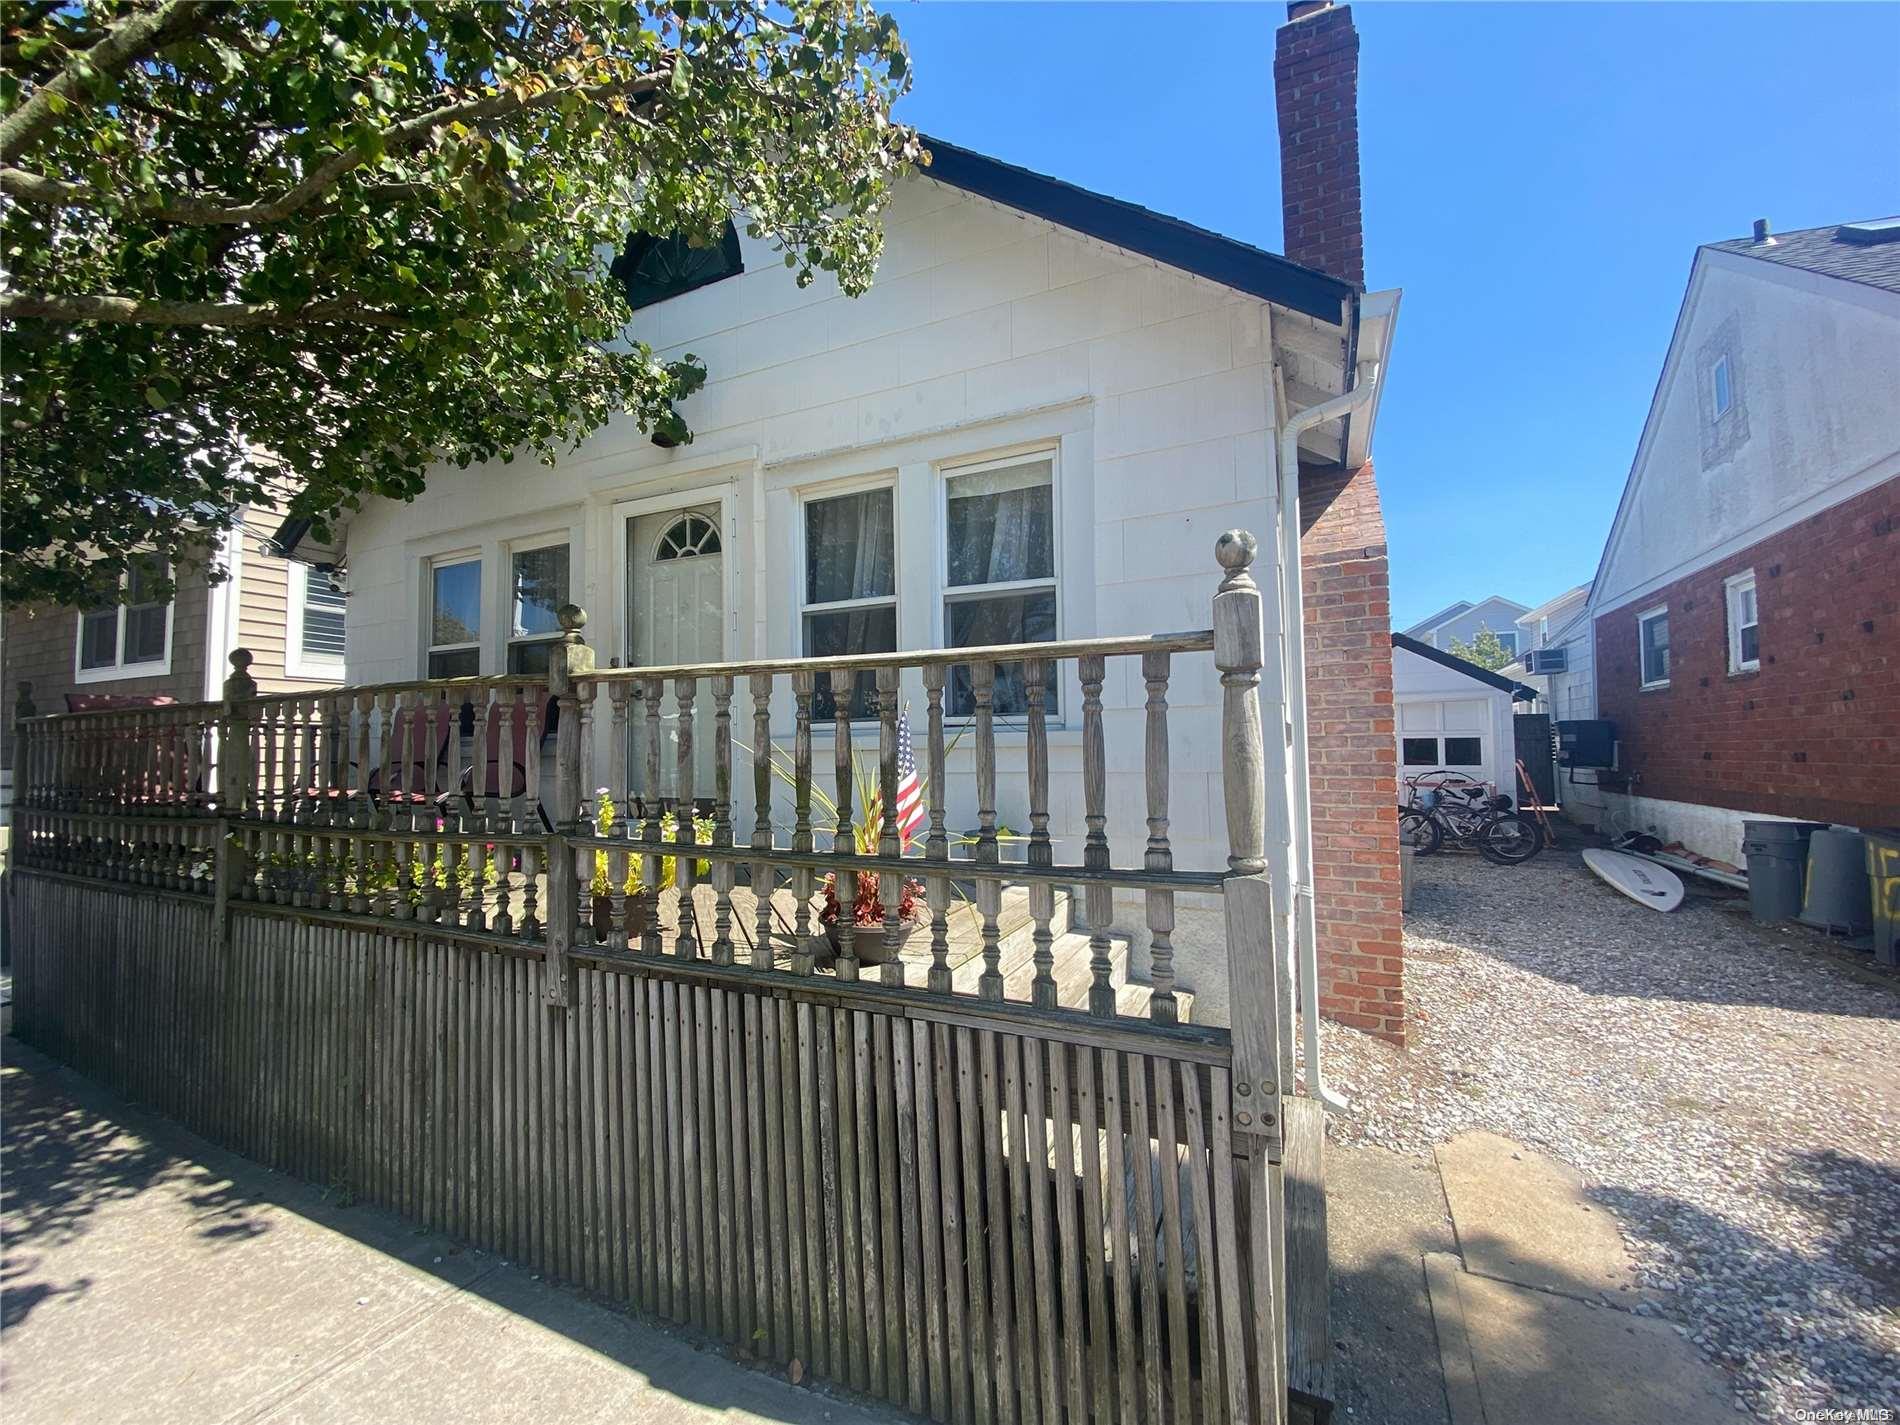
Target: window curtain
[[1000, 526]]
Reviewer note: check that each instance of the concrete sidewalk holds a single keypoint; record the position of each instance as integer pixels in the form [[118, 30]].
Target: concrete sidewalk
[[149, 1276]]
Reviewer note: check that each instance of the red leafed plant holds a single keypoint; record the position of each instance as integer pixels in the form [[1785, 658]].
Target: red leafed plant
[[868, 909]]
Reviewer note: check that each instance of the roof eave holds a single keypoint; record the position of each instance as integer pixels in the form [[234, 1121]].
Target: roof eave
[[1166, 240]]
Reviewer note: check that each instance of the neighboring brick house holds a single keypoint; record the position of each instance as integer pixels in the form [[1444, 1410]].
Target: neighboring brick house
[[1743, 632], [1090, 391], [288, 615]]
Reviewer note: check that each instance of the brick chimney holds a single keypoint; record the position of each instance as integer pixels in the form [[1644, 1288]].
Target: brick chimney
[[1316, 83]]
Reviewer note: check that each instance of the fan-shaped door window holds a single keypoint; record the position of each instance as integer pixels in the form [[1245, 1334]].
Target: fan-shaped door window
[[688, 535], [655, 268]]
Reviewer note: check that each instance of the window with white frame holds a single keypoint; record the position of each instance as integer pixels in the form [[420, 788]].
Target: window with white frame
[[850, 586], [1652, 644], [999, 570], [1744, 626], [538, 586], [1720, 387], [1507, 639], [455, 618], [314, 642], [130, 639]]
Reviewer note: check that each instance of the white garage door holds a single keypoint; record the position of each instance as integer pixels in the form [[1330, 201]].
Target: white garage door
[[1453, 732]]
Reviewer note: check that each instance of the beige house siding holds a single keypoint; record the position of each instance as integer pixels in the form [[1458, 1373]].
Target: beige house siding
[[263, 623], [38, 643], [40, 646]]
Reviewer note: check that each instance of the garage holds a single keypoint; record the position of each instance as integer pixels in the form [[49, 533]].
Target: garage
[[1452, 713]]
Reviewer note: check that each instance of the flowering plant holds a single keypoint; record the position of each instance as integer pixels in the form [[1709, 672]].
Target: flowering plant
[[867, 908]]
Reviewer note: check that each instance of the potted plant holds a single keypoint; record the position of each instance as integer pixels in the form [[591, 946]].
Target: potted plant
[[867, 917]]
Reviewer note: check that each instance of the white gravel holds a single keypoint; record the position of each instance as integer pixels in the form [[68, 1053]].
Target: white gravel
[[1731, 1091]]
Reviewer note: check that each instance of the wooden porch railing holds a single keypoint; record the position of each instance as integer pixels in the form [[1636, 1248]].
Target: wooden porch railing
[[680, 942]]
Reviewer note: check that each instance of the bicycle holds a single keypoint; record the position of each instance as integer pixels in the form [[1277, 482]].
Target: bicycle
[[1446, 805]]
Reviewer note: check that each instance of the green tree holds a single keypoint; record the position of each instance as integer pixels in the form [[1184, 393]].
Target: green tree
[[1486, 649], [311, 250]]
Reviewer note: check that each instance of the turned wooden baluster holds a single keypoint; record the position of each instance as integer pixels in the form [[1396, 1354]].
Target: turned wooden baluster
[[1099, 898], [619, 699], [889, 840], [989, 890], [363, 705], [452, 783], [763, 877], [402, 790], [386, 762], [804, 685], [479, 808], [723, 870], [844, 835], [505, 809], [1042, 894], [533, 698], [1159, 856], [937, 839], [264, 767], [686, 934], [655, 689]]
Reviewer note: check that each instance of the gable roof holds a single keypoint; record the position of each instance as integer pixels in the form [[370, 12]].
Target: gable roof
[[1518, 691], [1169, 241], [1231, 263], [1449, 612], [1805, 249], [1543, 610], [1463, 607], [1832, 251]]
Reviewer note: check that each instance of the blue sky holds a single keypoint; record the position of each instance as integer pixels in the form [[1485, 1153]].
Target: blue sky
[[1536, 177]]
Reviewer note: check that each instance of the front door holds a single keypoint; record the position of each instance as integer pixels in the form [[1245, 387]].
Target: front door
[[676, 613]]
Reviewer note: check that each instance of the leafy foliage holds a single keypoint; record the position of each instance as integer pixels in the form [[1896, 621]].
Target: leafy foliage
[[318, 251], [1486, 649]]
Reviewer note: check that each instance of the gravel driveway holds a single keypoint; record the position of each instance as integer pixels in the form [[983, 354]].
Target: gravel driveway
[[1733, 1092]]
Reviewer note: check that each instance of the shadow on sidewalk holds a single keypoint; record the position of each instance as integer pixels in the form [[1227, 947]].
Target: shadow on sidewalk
[[72, 1151]]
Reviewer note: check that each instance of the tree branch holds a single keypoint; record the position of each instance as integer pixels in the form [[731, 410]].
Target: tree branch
[[132, 38], [397, 138], [165, 313]]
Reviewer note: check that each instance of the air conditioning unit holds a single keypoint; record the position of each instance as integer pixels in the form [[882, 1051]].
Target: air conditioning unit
[[1547, 660]]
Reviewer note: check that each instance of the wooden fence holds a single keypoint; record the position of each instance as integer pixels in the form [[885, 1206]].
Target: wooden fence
[[998, 1195]]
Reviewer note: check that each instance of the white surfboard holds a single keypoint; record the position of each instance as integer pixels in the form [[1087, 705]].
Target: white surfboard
[[1642, 881]]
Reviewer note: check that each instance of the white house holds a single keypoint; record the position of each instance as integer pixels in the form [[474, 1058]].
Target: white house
[[1035, 424], [1740, 632]]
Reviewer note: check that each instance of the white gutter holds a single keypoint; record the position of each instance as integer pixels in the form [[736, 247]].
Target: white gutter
[[221, 614], [1299, 773]]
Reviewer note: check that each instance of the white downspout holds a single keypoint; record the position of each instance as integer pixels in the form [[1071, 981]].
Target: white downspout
[[1293, 615]]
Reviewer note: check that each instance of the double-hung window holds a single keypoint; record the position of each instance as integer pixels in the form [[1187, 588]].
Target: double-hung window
[[850, 587], [129, 639], [315, 636], [1744, 625], [1652, 646], [537, 589], [1721, 387], [455, 618], [999, 571]]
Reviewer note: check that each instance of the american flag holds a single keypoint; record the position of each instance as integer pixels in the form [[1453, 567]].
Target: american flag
[[910, 791]]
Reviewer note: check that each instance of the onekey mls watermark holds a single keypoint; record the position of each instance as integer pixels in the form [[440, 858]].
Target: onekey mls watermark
[[1853, 1415]]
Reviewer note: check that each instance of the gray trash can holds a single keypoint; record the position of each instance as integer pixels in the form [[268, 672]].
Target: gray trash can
[[1777, 853]]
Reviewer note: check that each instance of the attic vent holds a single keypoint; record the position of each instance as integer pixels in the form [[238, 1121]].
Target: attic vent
[[1867, 234]]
